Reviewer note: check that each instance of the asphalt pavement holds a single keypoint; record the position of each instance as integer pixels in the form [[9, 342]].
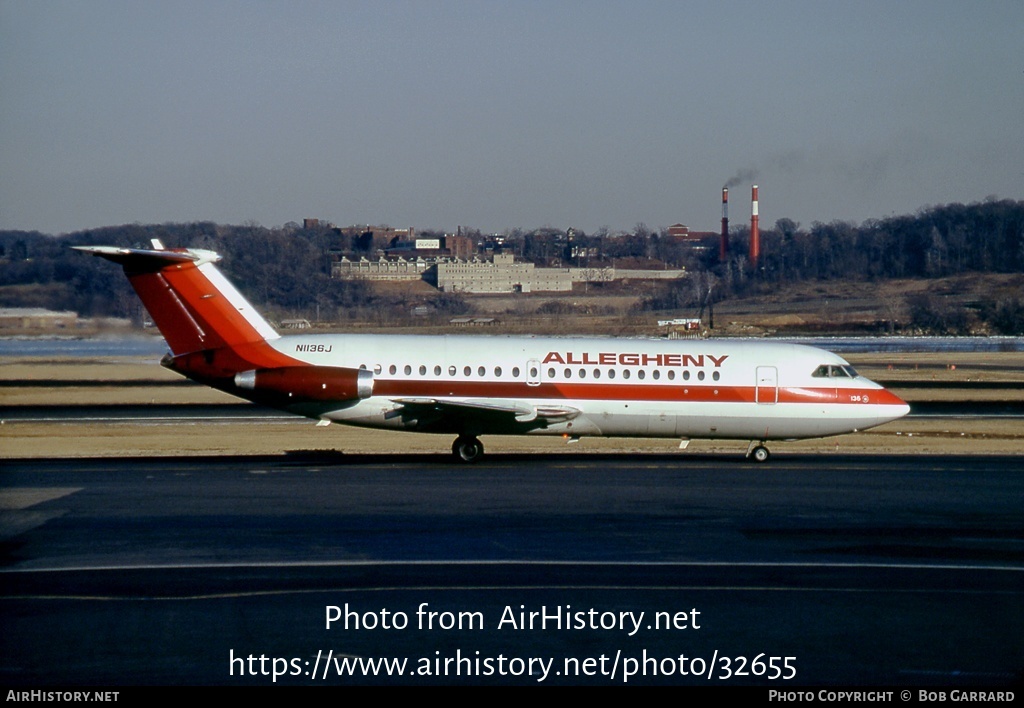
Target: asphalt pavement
[[333, 569]]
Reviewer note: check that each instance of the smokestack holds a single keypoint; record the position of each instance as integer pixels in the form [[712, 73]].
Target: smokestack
[[723, 249], [755, 234]]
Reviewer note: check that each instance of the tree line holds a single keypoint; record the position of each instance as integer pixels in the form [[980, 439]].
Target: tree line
[[938, 242], [286, 270]]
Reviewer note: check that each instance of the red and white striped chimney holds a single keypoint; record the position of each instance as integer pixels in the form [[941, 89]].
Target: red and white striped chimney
[[755, 234]]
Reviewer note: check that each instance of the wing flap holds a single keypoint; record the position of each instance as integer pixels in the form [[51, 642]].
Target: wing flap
[[518, 412]]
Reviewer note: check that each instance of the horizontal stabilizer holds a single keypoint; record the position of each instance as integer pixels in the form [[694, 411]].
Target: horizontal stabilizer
[[138, 259]]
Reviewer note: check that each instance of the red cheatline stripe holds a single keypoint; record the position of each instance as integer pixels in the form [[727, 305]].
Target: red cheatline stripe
[[625, 392]]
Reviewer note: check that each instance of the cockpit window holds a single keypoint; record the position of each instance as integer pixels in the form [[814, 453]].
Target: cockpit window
[[831, 371]]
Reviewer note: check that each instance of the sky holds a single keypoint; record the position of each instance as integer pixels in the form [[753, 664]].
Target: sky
[[500, 115]]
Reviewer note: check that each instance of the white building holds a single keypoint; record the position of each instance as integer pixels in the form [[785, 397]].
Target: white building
[[383, 269], [502, 275]]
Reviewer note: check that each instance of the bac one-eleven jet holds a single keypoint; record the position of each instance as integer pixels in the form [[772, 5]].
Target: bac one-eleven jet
[[470, 386]]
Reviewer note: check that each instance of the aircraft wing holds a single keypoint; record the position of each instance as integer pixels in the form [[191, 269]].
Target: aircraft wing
[[510, 411]]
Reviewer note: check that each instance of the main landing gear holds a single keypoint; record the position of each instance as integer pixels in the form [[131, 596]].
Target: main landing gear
[[467, 448], [758, 452]]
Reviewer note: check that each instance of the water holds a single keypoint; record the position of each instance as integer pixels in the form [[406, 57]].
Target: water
[[912, 344], [138, 346]]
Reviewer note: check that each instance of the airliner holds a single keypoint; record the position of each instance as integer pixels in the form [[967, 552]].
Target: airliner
[[474, 385]]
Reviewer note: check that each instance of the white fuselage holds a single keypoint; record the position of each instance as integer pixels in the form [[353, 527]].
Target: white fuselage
[[607, 387]]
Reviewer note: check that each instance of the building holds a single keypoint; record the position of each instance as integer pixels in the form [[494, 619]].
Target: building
[[379, 236], [447, 246], [380, 269], [500, 275], [682, 232]]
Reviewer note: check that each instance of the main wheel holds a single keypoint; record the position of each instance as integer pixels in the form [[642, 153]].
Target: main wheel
[[760, 454], [467, 449]]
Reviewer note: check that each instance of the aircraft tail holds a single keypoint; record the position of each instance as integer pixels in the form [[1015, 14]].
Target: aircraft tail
[[212, 330]]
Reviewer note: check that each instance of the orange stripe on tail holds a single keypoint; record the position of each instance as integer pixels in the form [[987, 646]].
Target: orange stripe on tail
[[212, 330]]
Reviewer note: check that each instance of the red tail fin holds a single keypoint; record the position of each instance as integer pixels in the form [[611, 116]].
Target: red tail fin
[[197, 310]]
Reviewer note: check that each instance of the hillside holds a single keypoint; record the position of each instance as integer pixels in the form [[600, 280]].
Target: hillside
[[952, 269]]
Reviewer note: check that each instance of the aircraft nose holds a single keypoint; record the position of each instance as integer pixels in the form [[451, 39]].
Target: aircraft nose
[[883, 413], [895, 407], [888, 405]]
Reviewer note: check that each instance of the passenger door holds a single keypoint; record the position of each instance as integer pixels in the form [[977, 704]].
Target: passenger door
[[767, 388]]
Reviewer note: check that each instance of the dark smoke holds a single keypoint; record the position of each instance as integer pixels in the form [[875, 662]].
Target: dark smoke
[[741, 176]]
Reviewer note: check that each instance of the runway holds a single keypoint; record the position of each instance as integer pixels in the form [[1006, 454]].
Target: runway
[[523, 569]]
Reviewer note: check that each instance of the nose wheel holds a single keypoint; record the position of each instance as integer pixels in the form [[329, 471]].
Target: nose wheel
[[758, 452], [467, 449]]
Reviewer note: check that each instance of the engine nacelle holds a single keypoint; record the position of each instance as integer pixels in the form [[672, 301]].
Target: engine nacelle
[[309, 383]]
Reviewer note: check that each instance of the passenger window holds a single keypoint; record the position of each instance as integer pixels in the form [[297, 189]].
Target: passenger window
[[467, 371], [641, 374], [671, 376], [568, 373], [452, 370], [497, 371], [423, 370], [597, 373], [515, 372], [686, 376], [437, 371], [408, 370], [700, 375], [716, 376], [481, 371], [625, 373], [551, 373], [611, 373], [393, 370], [656, 374]]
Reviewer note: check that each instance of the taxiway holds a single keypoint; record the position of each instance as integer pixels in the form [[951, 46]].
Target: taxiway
[[868, 570]]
